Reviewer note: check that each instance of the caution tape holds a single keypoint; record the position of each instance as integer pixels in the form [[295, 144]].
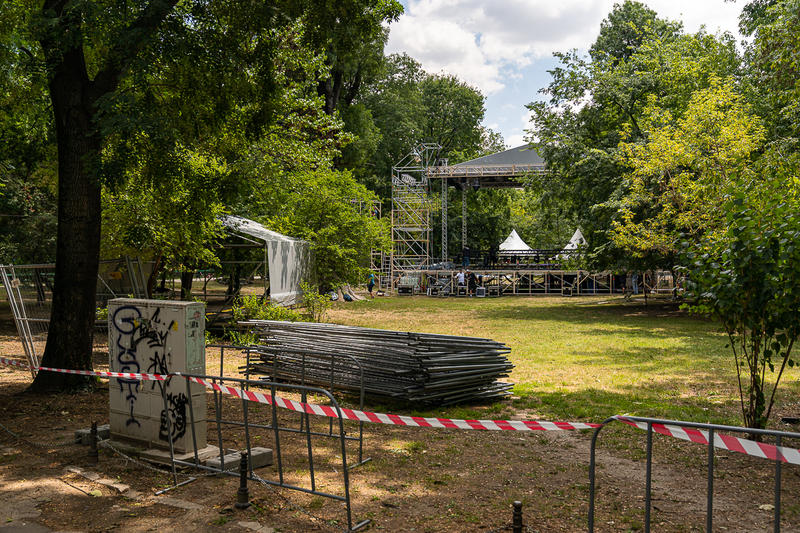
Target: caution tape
[[142, 376], [724, 442], [396, 420]]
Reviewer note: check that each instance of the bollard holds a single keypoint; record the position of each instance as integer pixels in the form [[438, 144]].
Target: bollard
[[93, 455], [516, 524], [243, 495]]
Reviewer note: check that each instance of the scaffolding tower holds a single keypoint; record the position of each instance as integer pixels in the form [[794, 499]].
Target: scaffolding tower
[[411, 210]]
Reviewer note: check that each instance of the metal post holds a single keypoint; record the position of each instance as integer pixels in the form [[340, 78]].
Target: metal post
[[191, 421], [648, 477], [710, 488], [778, 466], [243, 494], [444, 219], [464, 218], [93, 456], [516, 524], [163, 388]]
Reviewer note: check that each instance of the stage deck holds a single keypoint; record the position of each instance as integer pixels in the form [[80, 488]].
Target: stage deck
[[501, 282]]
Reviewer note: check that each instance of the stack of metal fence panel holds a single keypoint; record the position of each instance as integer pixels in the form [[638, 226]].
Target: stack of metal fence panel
[[411, 367]]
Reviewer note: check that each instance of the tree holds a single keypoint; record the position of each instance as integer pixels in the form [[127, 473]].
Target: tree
[[98, 61], [352, 35], [685, 170], [750, 280], [77, 99], [773, 64], [598, 102], [453, 112]]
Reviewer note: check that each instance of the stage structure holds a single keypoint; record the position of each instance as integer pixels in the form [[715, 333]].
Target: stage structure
[[501, 170], [411, 208]]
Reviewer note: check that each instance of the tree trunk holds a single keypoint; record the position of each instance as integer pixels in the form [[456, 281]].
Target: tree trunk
[[70, 335], [153, 277], [187, 278]]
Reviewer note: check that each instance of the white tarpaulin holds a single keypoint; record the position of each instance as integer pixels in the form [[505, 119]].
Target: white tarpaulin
[[289, 259], [514, 243], [576, 241]]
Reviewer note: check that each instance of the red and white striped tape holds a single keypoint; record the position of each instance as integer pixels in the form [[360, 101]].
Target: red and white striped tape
[[725, 442], [14, 362], [125, 375], [397, 420]]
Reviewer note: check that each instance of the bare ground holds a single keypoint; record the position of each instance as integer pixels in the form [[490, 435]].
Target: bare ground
[[417, 480]]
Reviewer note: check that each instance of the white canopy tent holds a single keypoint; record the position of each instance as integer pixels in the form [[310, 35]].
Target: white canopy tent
[[513, 243], [289, 260], [576, 241]]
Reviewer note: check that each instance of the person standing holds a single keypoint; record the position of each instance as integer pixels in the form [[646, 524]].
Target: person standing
[[460, 278], [472, 282], [371, 284]]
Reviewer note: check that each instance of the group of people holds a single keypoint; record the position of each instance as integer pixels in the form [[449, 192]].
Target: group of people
[[468, 279]]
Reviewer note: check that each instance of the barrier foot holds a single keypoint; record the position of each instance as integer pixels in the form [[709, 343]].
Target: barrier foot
[[361, 525], [181, 484], [516, 524], [243, 494], [93, 455]]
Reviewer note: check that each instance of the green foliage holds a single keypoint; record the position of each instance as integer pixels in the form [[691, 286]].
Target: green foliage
[[750, 279], [316, 304], [685, 170], [252, 307], [638, 62]]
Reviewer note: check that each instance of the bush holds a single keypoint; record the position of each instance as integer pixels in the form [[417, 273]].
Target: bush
[[316, 304], [253, 308]]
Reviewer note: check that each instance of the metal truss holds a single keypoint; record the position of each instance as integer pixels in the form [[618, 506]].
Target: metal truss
[[411, 209]]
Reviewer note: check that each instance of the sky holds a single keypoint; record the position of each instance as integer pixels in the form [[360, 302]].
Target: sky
[[504, 48]]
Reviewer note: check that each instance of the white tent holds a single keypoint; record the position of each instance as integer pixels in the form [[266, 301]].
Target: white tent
[[514, 243], [576, 241], [289, 260]]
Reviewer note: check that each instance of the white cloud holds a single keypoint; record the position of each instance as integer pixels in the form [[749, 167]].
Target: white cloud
[[485, 42], [501, 46]]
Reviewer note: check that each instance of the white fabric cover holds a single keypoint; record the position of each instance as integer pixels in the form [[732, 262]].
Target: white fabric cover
[[576, 240], [514, 243], [289, 259]]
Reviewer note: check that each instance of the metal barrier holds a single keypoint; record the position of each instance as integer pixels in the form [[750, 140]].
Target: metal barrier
[[713, 441], [29, 289], [254, 428], [294, 368], [315, 369]]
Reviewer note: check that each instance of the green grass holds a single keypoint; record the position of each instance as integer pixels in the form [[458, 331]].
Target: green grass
[[584, 358]]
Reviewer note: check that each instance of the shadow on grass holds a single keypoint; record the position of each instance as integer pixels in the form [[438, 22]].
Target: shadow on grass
[[651, 400], [588, 312]]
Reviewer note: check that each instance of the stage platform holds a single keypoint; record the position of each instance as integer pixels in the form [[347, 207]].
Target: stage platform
[[498, 282]]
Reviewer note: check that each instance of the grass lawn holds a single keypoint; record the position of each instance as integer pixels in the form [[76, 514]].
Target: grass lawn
[[586, 358]]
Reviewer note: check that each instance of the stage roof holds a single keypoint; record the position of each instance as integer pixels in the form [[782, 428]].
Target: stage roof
[[500, 170]]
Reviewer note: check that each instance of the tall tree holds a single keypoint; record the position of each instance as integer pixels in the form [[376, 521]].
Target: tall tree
[[599, 101], [94, 55], [78, 95], [352, 34]]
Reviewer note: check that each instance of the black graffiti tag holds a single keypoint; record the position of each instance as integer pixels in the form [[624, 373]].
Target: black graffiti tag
[[173, 417]]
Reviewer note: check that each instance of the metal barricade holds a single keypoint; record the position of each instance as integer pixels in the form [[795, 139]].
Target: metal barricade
[[29, 289], [709, 432], [256, 424], [30, 295]]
